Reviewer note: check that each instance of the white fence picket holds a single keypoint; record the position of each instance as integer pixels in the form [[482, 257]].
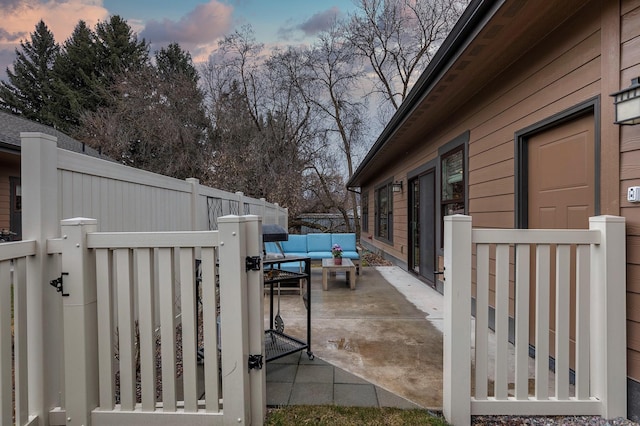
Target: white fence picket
[[189, 330], [583, 319], [210, 329], [543, 265], [144, 284], [523, 278], [482, 320], [20, 340], [104, 268], [563, 283], [502, 320], [6, 397], [126, 331], [167, 329]]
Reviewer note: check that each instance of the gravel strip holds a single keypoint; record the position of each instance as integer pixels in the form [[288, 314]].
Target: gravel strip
[[560, 420]]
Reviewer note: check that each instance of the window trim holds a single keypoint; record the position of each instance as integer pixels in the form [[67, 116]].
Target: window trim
[[384, 185], [459, 142], [364, 214]]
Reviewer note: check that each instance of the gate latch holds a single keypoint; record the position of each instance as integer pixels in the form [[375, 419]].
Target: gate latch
[[59, 284], [255, 362], [252, 263]]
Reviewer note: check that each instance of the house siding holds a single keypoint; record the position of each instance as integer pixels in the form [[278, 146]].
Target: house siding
[[8, 169], [630, 176], [570, 66]]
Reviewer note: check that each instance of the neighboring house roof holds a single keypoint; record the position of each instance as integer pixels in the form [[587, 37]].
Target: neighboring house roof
[[12, 125], [489, 37]]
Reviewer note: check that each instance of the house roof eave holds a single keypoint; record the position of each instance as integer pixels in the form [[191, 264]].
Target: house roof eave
[[473, 19]]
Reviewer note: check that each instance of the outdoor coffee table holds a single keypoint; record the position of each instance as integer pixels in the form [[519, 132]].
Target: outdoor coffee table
[[328, 265]]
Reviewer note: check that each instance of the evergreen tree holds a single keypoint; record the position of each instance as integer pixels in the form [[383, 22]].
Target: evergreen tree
[[118, 50], [76, 84], [29, 91], [173, 60]]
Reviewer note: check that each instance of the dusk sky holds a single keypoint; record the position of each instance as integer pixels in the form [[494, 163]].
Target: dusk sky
[[195, 25]]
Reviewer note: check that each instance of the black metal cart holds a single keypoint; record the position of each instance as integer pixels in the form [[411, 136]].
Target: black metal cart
[[278, 344]]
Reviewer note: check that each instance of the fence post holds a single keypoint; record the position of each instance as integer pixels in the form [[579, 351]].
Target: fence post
[[80, 321], [234, 320], [263, 213], [286, 218], [195, 196], [39, 180], [255, 285], [457, 320], [609, 316]]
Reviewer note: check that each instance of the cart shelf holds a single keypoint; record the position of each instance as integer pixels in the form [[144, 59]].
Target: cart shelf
[[278, 344]]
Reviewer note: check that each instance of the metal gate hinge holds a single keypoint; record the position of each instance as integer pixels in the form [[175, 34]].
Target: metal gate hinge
[[255, 362], [59, 284], [252, 263]]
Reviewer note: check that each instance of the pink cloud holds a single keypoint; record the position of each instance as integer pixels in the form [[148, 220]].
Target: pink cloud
[[60, 16], [206, 23], [19, 19]]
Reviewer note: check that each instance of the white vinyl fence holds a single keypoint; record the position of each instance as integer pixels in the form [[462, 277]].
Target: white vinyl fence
[[58, 184], [599, 363]]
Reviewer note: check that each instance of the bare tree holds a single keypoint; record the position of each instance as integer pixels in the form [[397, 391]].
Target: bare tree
[[154, 123], [398, 38], [263, 126], [333, 89]]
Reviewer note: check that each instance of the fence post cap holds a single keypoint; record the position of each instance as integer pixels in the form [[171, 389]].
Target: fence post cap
[[231, 218], [77, 221], [457, 218], [607, 218]]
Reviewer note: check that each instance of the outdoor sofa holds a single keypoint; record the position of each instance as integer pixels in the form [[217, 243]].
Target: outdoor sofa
[[315, 246]]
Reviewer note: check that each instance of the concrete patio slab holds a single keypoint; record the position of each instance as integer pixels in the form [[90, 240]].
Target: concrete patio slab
[[373, 346]]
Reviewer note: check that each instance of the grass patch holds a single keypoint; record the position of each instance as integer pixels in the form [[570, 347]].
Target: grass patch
[[348, 416]]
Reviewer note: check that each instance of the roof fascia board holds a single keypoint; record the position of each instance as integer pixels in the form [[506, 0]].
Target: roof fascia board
[[472, 21]]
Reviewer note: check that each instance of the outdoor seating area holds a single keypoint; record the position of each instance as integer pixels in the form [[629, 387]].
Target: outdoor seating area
[[315, 246]]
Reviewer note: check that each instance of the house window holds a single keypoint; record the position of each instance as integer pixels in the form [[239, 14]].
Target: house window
[[452, 183], [384, 212], [17, 199], [364, 202]]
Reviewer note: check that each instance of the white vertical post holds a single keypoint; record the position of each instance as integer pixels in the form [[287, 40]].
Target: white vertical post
[[20, 315], [457, 323], [263, 213], [608, 310], [234, 320], [195, 212], [286, 218], [240, 196], [39, 160], [80, 321], [255, 284]]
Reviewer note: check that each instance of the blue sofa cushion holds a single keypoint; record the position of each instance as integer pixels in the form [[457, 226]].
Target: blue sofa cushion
[[296, 245], [353, 255], [292, 266], [317, 243], [346, 241], [272, 251]]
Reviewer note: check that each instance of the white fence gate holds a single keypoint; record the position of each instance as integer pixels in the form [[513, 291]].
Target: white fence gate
[[502, 257], [111, 285]]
